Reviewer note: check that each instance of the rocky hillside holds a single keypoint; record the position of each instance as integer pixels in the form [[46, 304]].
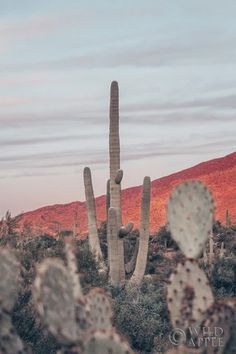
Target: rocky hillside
[[218, 174]]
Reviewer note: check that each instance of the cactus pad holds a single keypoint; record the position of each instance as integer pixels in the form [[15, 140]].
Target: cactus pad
[[219, 316], [188, 295], [72, 266], [10, 343], [83, 317], [99, 304], [106, 342], [10, 273], [54, 296], [190, 217]]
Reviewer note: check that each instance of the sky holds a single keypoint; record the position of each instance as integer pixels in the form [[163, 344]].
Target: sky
[[175, 62]]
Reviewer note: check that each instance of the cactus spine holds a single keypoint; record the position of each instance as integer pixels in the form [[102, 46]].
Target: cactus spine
[[92, 218], [144, 232]]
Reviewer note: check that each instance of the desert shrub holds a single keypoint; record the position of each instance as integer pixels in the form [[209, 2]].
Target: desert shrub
[[141, 314], [10, 240], [102, 234], [218, 227], [228, 236], [88, 267], [164, 239], [223, 277]]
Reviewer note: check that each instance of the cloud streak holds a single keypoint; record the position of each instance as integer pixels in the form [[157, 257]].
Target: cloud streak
[[25, 27], [151, 54], [132, 152], [143, 114], [47, 139]]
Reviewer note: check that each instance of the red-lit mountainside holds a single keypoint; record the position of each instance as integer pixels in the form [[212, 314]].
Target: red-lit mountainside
[[218, 174]]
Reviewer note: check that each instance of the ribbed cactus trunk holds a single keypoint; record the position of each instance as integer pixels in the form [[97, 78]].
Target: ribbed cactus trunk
[[91, 211], [108, 197], [144, 233], [115, 188], [114, 149], [113, 256]]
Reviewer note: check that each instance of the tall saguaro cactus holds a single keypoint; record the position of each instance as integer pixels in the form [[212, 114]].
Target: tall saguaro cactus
[[144, 232], [115, 230], [114, 150], [92, 218], [115, 172]]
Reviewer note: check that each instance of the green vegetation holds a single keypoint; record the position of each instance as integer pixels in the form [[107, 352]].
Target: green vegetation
[[140, 312]]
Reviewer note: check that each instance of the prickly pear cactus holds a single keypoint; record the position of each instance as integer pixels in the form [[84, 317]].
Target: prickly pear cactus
[[10, 343], [54, 296], [83, 317], [72, 266], [10, 273], [220, 318], [100, 310], [106, 342], [188, 295], [190, 217]]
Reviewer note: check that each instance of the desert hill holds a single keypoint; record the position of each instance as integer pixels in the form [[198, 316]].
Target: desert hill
[[218, 174]]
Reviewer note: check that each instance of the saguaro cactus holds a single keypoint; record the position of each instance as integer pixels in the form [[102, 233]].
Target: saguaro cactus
[[227, 219], [115, 173], [108, 196], [144, 232], [114, 151], [113, 248], [92, 218], [115, 230]]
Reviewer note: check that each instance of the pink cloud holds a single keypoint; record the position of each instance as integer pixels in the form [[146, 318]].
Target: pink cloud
[[37, 25], [9, 101]]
